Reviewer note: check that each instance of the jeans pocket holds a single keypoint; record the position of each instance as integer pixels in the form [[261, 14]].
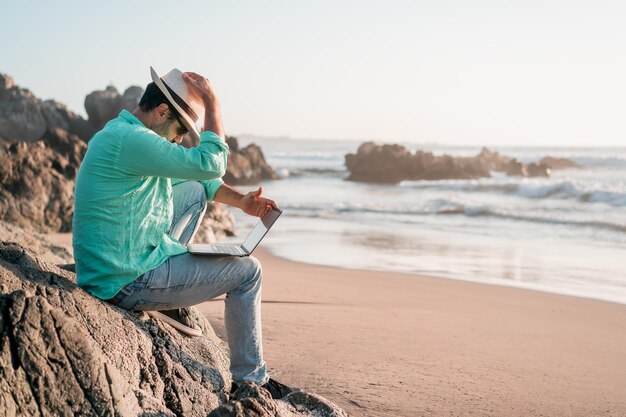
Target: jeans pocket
[[143, 281], [144, 305]]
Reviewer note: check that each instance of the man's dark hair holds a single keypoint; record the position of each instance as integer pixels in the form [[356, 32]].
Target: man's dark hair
[[152, 98]]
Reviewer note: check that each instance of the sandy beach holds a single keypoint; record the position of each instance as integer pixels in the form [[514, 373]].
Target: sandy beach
[[386, 344], [390, 344]]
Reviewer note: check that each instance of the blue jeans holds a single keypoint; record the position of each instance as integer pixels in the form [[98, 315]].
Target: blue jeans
[[185, 280]]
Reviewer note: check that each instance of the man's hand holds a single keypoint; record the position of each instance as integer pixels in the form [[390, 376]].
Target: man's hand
[[255, 205], [202, 87], [251, 203]]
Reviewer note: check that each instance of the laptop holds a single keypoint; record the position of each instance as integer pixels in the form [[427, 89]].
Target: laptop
[[245, 249]]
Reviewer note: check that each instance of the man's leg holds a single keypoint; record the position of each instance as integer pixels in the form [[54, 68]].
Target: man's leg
[[189, 207], [186, 280]]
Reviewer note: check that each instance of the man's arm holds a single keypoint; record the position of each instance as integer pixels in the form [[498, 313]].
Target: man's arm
[[251, 203]]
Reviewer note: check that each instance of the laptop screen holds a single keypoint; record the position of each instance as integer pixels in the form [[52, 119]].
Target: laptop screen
[[260, 230]]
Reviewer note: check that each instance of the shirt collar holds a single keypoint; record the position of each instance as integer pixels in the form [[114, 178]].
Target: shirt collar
[[130, 118]]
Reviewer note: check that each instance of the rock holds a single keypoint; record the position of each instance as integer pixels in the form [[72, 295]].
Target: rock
[[6, 82], [24, 117], [216, 224], [538, 170], [104, 105], [380, 164], [515, 168], [246, 165], [251, 400], [65, 352], [391, 164], [558, 163], [37, 181], [233, 143], [131, 97]]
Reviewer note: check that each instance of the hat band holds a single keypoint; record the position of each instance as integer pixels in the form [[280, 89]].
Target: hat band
[[181, 103]]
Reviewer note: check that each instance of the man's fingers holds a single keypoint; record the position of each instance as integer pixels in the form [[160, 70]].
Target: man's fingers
[[193, 75]]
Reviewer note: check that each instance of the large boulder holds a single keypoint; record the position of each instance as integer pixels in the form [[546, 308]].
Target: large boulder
[[246, 165], [558, 163], [104, 105], [64, 352], [24, 117], [538, 170], [381, 164], [37, 180]]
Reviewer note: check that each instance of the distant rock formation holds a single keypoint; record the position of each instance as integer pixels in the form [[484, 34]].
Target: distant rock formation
[[65, 352], [24, 117], [104, 105], [391, 164], [246, 165], [558, 163]]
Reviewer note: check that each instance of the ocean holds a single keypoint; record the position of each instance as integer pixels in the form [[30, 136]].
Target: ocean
[[564, 234]]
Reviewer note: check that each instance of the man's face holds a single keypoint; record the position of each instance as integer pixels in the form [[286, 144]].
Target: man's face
[[171, 128]]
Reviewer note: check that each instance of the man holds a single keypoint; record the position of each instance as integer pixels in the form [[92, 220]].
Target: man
[[139, 200]]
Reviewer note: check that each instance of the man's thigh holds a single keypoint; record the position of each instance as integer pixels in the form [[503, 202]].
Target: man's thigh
[[186, 280]]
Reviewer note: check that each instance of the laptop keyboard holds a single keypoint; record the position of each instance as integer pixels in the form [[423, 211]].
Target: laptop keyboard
[[227, 249]]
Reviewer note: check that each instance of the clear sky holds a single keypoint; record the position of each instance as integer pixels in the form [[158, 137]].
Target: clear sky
[[454, 72]]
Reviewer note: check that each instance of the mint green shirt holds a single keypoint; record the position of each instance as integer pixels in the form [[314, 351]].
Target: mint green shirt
[[123, 200]]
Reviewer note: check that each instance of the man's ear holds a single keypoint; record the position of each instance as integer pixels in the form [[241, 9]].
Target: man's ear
[[161, 111]]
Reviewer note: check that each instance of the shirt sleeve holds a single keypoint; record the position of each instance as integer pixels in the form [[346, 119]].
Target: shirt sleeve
[[210, 187], [144, 153]]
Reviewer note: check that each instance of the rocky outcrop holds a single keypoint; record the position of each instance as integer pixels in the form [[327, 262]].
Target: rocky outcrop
[[391, 164], [246, 165], [558, 163], [104, 105], [24, 117], [37, 180], [394, 163], [64, 352]]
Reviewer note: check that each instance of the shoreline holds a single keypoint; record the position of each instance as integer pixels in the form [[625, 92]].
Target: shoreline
[[499, 282]]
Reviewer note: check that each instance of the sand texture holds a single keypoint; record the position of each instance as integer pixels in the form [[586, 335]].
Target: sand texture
[[387, 344]]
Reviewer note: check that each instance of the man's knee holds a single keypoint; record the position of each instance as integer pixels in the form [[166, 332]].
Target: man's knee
[[252, 266], [191, 191]]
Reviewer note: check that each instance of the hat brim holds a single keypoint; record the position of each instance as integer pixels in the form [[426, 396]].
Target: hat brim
[[191, 125]]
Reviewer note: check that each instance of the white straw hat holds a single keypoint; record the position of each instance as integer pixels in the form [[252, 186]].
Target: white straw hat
[[175, 89]]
